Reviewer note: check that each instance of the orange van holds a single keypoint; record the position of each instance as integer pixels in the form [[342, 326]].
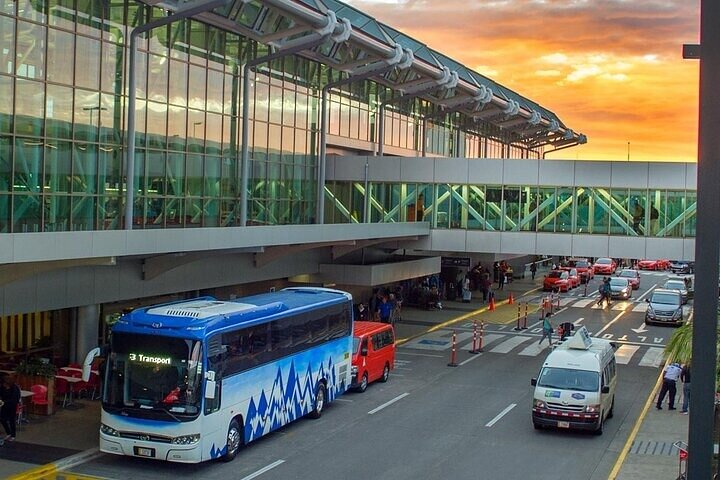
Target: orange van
[[373, 353]]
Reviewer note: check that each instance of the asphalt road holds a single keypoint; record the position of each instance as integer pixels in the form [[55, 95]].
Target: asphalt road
[[431, 421]]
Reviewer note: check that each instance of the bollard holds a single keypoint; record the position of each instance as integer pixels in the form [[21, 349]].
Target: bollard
[[517, 325], [482, 333], [525, 318], [453, 362], [511, 300], [475, 337]]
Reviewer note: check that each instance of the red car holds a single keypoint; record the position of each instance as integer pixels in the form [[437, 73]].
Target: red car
[[633, 277], [605, 266], [651, 264], [584, 269], [557, 280], [573, 276]]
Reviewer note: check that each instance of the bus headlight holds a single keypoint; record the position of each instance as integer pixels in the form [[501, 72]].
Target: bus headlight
[[109, 430], [186, 439], [592, 409]]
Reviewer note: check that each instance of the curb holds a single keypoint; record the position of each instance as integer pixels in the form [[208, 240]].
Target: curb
[[50, 470]]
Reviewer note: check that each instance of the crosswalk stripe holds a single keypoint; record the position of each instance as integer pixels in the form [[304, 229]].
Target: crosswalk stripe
[[640, 307], [489, 338], [510, 343], [534, 349], [625, 353], [653, 357], [584, 302], [564, 302]]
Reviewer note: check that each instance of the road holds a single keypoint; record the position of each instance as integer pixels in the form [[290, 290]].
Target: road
[[431, 421]]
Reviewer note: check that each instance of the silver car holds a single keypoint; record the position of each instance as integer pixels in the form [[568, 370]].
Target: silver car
[[679, 285], [620, 288], [664, 307]]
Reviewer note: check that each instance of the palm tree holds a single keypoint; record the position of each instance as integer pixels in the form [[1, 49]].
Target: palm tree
[[679, 349]]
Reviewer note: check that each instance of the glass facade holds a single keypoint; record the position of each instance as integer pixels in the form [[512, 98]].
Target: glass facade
[[63, 112], [521, 208]]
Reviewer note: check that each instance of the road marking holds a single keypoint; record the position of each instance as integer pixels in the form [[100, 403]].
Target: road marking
[[584, 302], [469, 359], [344, 400], [402, 368], [532, 350], [652, 358], [418, 354], [578, 321], [510, 343], [500, 415], [638, 299], [640, 307], [263, 470], [610, 323], [387, 404], [624, 353]]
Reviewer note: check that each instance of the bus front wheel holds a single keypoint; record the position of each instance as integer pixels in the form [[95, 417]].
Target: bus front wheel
[[319, 401], [233, 441]]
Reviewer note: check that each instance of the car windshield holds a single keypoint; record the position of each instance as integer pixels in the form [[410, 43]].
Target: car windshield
[[582, 264], [604, 261], [628, 274], [569, 379], [154, 374], [557, 274], [665, 298], [674, 285], [618, 282]]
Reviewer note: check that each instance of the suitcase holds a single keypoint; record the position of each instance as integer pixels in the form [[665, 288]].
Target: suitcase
[[467, 295]]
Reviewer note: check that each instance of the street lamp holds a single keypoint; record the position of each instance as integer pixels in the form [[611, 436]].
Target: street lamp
[[91, 109]]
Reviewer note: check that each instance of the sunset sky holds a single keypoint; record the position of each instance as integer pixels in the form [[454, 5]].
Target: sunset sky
[[611, 69]]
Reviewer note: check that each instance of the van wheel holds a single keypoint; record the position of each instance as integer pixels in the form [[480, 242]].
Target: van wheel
[[612, 408], [319, 401], [363, 383], [233, 441], [600, 429], [537, 426], [386, 373]]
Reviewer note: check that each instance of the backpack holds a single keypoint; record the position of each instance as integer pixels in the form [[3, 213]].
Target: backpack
[[606, 288]]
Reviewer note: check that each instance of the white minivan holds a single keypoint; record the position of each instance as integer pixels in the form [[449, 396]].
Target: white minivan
[[576, 385]]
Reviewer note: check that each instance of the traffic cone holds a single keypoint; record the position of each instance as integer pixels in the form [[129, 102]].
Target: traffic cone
[[492, 303], [511, 300]]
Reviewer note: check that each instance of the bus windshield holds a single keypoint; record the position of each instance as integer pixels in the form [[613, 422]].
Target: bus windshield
[[153, 376]]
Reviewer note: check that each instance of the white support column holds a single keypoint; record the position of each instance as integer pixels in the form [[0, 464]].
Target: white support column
[[86, 334]]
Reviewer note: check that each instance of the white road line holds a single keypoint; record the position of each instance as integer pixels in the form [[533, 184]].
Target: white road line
[[638, 299], [500, 415], [402, 368], [263, 470], [578, 321], [509, 344], [624, 353], [418, 354], [653, 357], [344, 400], [469, 359], [584, 302], [387, 404], [610, 323]]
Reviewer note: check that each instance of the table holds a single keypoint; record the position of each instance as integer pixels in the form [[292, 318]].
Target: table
[[71, 381]]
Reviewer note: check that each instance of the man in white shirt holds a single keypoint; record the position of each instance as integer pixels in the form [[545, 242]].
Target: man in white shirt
[[669, 385]]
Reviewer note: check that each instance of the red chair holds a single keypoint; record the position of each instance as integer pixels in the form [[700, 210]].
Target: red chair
[[93, 384], [39, 395], [62, 388], [19, 413]]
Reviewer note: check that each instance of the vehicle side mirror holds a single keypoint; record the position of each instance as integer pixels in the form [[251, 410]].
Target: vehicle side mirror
[[533, 381], [647, 300], [605, 389], [364, 351]]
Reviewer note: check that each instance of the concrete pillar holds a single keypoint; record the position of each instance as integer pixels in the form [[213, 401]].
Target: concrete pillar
[[86, 335]]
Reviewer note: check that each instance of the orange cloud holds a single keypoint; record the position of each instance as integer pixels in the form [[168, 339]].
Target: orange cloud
[[610, 69]]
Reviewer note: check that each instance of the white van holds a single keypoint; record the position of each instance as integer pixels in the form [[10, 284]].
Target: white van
[[576, 385]]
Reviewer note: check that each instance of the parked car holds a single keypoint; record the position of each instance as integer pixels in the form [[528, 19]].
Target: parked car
[[682, 266], [679, 285], [664, 308], [620, 288], [633, 277], [373, 353], [557, 280], [573, 276], [605, 266], [648, 264], [584, 268]]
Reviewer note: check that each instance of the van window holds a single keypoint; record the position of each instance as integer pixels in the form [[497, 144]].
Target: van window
[[569, 379], [609, 372], [383, 339]]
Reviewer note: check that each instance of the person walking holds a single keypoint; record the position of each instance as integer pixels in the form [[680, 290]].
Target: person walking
[[533, 270], [685, 377], [669, 385], [503, 276], [9, 398], [547, 330], [604, 291]]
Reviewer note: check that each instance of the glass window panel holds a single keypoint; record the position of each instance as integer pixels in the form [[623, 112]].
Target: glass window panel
[[109, 211], [301, 108], [111, 68], [153, 212], [177, 127], [57, 212], [546, 209], [493, 206], [194, 175], [87, 65], [196, 130], [27, 213], [583, 218], [33, 10], [58, 111], [442, 206], [27, 165], [563, 222], [178, 83], [83, 213], [158, 78], [140, 115], [156, 125], [5, 212], [511, 197], [212, 176], [60, 57], [229, 185], [59, 16], [194, 211], [528, 214], [109, 164], [672, 215], [213, 130], [155, 173], [58, 170], [476, 213], [90, 14], [599, 210], [6, 104], [214, 91], [175, 174], [196, 86], [6, 164], [275, 104], [84, 168], [109, 119], [656, 204], [288, 106], [174, 212], [230, 94], [29, 107], [690, 214], [140, 75]]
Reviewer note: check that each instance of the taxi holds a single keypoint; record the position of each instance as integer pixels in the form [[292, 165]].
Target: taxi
[[604, 266], [557, 280]]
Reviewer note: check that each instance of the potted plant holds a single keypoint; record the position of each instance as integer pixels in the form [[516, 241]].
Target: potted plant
[[37, 371]]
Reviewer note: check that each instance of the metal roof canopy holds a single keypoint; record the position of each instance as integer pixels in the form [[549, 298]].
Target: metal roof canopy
[[360, 40]]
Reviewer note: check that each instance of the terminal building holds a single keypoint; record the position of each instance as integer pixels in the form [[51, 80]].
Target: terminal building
[[158, 150]]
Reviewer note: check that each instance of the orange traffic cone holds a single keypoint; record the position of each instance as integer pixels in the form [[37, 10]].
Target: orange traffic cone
[[511, 300], [492, 303]]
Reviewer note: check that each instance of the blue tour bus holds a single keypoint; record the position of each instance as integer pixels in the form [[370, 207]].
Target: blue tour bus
[[195, 380]]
